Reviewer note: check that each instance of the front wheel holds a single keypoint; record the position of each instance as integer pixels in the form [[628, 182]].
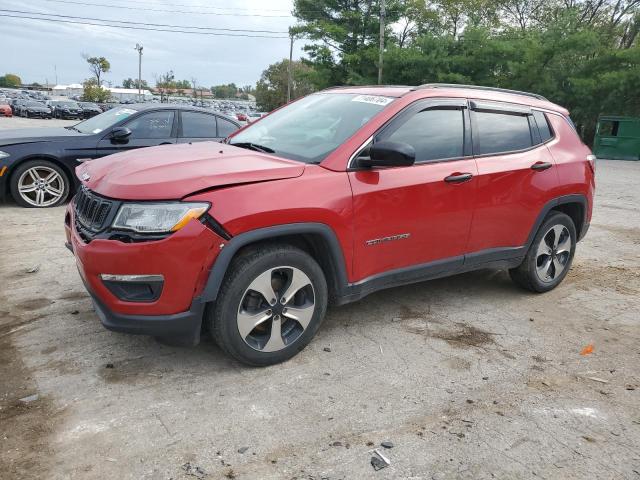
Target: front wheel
[[550, 255], [39, 183], [270, 305]]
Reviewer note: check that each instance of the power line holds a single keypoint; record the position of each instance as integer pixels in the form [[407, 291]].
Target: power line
[[140, 27], [244, 30], [72, 2]]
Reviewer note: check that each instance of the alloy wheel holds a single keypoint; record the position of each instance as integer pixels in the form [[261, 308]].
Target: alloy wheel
[[553, 253], [276, 309], [41, 186]]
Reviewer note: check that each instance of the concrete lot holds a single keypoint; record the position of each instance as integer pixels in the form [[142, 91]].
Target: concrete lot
[[469, 376]]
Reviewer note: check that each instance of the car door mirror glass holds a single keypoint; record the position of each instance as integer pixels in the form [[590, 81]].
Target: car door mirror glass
[[388, 154], [120, 134]]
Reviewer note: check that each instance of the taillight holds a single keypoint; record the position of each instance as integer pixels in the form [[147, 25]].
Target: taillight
[[592, 162]]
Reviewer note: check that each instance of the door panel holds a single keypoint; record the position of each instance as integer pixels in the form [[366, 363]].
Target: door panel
[[416, 201], [513, 186], [148, 129]]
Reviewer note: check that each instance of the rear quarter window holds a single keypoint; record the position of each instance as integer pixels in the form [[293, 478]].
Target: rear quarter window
[[543, 126]]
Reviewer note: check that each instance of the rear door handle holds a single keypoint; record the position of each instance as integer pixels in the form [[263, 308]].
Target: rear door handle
[[458, 177], [541, 166]]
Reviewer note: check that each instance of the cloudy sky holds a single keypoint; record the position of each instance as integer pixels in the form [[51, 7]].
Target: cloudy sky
[[35, 49]]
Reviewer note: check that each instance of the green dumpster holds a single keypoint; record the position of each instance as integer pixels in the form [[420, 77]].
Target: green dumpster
[[617, 138]]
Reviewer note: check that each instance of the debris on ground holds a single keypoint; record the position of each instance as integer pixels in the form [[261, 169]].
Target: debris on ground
[[243, 449], [327, 349], [630, 387], [387, 444], [588, 350], [335, 444], [30, 398], [230, 473], [194, 470], [109, 365], [33, 269], [75, 312], [379, 461], [596, 379]]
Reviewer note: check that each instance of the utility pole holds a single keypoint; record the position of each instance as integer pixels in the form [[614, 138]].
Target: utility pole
[[382, 12], [290, 70], [139, 49], [55, 69]]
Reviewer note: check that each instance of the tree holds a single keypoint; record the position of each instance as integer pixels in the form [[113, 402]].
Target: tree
[[166, 84], [133, 83], [271, 90], [10, 80], [93, 92], [97, 66], [225, 91]]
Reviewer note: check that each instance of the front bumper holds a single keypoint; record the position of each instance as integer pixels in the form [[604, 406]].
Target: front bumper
[[184, 259]]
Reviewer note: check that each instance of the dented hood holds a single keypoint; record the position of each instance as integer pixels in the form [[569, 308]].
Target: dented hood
[[171, 172]]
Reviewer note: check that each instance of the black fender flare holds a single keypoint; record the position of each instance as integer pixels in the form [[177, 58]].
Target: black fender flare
[[221, 264], [550, 205]]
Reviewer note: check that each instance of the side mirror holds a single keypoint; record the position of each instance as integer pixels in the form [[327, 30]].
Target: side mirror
[[120, 134], [389, 154]]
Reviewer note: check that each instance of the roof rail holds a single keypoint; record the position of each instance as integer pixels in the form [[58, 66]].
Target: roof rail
[[478, 87]]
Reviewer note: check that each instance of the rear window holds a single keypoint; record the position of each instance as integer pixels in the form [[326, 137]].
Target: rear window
[[502, 132]]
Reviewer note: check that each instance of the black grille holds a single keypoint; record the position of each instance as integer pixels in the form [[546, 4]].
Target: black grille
[[91, 210]]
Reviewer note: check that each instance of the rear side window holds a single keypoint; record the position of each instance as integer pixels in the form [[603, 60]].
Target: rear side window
[[435, 134], [198, 125], [543, 126], [502, 132]]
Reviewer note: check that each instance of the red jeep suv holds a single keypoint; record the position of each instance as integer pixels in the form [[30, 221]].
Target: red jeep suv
[[324, 201]]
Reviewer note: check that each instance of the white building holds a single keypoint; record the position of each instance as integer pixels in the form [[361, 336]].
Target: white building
[[67, 90], [120, 94]]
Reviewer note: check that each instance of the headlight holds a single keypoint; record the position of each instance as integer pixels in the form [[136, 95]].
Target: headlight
[[3, 154], [157, 217]]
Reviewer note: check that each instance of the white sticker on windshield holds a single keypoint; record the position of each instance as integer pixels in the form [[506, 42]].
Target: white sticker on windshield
[[125, 111], [376, 100]]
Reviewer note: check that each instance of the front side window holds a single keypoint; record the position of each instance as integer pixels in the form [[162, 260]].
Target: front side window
[[311, 128], [435, 134], [225, 127], [152, 125], [198, 125], [502, 132]]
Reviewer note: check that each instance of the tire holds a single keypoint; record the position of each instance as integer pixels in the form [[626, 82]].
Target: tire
[[34, 173], [278, 265], [550, 255]]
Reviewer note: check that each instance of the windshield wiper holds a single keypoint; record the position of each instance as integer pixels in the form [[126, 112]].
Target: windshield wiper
[[71, 127], [253, 146]]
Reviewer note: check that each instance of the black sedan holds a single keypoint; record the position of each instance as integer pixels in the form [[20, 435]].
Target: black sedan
[[90, 109], [35, 110], [37, 164], [66, 109]]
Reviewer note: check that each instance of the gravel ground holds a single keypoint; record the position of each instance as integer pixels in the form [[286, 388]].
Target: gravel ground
[[469, 376]]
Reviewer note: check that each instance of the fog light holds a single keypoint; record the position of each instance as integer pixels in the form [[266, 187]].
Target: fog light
[[134, 288]]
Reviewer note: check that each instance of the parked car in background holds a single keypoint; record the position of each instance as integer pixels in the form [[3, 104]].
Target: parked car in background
[[16, 103], [32, 109], [324, 201], [65, 109], [37, 164], [5, 110], [253, 116], [89, 109], [241, 116]]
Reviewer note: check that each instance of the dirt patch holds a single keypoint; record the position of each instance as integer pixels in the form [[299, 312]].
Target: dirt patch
[[628, 233], [461, 336], [26, 426], [73, 296], [624, 280], [34, 304]]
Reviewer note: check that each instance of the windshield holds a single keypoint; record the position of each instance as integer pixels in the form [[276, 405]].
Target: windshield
[[105, 120], [67, 104], [311, 128], [34, 104]]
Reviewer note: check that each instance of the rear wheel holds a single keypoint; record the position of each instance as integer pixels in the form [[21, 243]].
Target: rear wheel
[[550, 255], [39, 183], [270, 305]]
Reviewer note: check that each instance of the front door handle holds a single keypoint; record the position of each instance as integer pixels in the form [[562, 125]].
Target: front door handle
[[458, 177], [540, 166]]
